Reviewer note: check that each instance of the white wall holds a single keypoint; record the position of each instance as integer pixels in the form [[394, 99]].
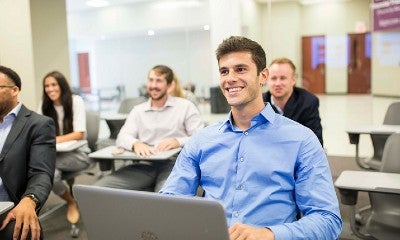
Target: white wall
[[16, 45], [123, 53], [281, 28], [49, 40], [33, 41]]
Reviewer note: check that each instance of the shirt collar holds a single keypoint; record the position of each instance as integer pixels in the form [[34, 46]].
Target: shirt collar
[[267, 114], [276, 106], [171, 101], [14, 112]]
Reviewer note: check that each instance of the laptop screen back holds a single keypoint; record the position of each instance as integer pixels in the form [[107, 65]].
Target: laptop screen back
[[109, 213]]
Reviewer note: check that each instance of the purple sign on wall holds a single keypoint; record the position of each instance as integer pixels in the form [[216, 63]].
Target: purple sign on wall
[[386, 14]]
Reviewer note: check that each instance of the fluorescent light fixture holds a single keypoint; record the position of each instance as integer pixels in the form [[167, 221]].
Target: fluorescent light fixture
[[175, 4], [150, 32], [97, 3]]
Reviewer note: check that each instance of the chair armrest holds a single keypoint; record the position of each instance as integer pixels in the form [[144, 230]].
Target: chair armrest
[[350, 182]]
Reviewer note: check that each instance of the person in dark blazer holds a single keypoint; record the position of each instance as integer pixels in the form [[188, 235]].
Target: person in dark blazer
[[27, 161], [292, 102]]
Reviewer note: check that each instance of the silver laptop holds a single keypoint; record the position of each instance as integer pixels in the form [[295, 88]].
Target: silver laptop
[[119, 214]]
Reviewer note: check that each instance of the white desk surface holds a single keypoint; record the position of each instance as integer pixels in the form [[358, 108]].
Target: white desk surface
[[113, 116], [107, 153], [70, 145], [378, 129], [369, 181], [5, 206]]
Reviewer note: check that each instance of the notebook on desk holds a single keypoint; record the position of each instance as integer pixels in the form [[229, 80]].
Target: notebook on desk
[[109, 213]]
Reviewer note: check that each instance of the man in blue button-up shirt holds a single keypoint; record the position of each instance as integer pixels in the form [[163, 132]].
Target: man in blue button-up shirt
[[266, 169]]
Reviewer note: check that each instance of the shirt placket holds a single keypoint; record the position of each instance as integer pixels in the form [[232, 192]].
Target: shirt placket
[[240, 184]]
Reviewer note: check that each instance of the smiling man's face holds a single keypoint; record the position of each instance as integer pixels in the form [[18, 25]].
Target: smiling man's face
[[239, 80]]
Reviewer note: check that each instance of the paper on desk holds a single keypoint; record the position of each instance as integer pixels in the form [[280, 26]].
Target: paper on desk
[[113, 152]]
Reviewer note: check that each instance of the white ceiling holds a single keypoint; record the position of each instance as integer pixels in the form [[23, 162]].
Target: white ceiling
[[80, 5]]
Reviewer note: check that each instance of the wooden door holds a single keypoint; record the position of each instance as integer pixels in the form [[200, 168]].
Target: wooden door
[[313, 63], [84, 72], [359, 63]]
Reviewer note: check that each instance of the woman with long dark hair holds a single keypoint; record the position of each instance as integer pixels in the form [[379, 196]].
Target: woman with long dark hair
[[68, 112]]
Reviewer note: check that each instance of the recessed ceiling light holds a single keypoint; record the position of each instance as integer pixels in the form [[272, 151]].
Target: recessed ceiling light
[[206, 27], [97, 3], [174, 4]]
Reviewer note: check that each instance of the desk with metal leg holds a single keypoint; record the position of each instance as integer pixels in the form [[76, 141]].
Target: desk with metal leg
[[112, 153], [355, 131]]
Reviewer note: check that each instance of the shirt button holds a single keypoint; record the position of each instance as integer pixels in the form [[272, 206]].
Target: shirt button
[[241, 159], [236, 214], [240, 187], [246, 133]]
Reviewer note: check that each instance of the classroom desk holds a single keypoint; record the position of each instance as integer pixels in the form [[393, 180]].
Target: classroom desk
[[5, 206], [350, 183], [355, 131], [108, 154], [113, 116], [369, 181]]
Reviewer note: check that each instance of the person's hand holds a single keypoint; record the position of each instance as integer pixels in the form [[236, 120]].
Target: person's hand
[[167, 144], [25, 218], [142, 149], [240, 231]]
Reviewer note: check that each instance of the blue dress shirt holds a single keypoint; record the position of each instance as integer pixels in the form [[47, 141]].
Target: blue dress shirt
[[264, 176]]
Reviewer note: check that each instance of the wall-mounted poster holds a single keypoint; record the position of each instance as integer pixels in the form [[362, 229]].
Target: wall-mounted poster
[[386, 14], [388, 48]]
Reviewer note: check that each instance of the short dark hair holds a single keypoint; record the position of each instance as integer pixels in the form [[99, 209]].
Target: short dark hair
[[162, 69], [242, 44], [12, 75]]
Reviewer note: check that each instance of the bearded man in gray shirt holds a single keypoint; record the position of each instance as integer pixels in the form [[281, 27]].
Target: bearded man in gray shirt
[[162, 123]]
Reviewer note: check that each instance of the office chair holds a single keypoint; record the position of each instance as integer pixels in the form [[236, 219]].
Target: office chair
[[92, 132], [128, 103], [392, 117], [115, 125], [383, 217]]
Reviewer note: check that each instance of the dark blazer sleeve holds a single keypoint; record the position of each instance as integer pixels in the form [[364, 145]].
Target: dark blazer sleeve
[[28, 157]]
